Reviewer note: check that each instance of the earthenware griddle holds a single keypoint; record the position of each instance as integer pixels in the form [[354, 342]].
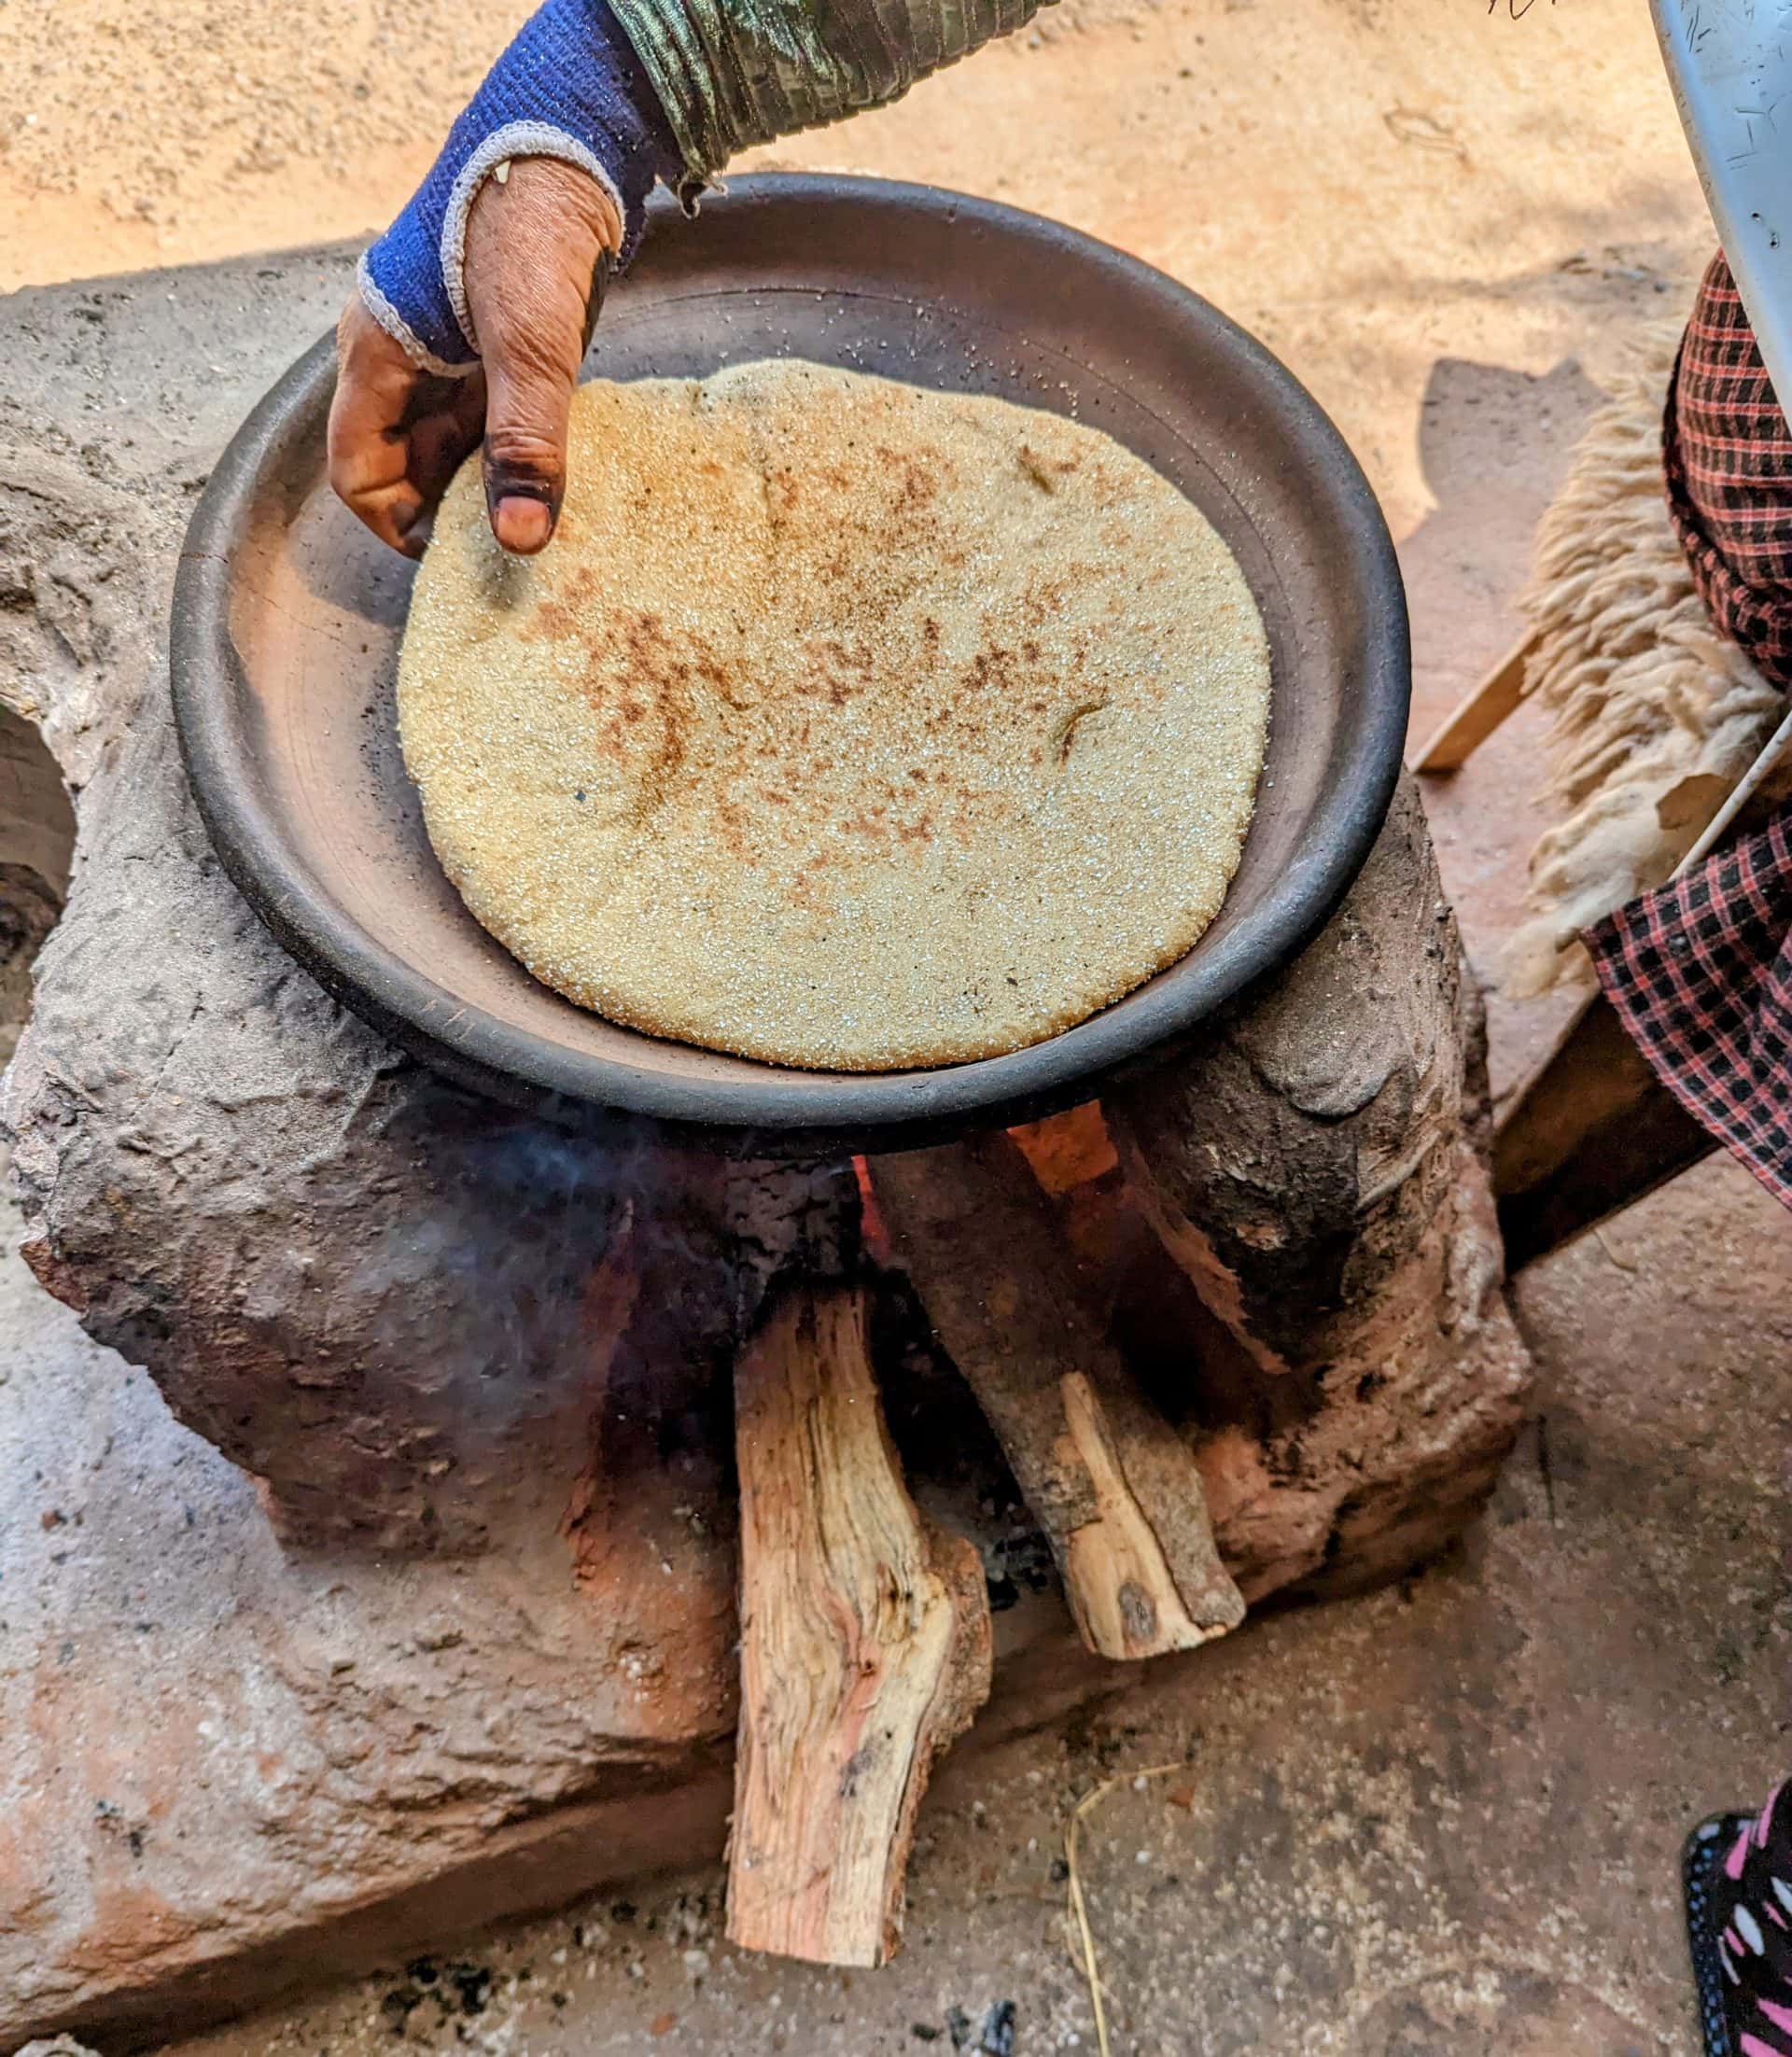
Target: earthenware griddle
[[289, 615]]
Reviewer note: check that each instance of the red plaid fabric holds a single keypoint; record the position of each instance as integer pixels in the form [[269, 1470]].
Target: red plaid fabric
[[1727, 453], [1700, 970]]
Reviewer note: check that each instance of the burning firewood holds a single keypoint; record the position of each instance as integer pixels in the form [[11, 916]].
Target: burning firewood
[[865, 1643], [1110, 1481]]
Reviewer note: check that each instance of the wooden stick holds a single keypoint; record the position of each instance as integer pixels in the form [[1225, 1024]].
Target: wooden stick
[[1776, 748], [1475, 719], [1111, 1484], [865, 1643]]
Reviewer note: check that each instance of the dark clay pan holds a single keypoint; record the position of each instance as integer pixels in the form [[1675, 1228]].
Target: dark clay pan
[[287, 619]]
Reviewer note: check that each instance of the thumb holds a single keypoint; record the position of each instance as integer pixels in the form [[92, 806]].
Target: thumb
[[534, 249], [528, 396]]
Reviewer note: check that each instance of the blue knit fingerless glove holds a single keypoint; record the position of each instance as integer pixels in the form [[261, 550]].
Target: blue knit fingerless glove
[[570, 87]]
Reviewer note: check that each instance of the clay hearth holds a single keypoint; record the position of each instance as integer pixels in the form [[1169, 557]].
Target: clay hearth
[[467, 1644]]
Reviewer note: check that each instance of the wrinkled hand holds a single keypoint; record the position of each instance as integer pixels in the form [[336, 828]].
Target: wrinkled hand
[[397, 433]]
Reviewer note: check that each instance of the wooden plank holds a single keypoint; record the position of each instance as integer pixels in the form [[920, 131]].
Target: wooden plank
[[1476, 718], [865, 1643], [1113, 1486], [1591, 1131]]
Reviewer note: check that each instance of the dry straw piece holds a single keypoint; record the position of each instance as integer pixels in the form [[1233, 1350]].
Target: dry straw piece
[[1079, 1906]]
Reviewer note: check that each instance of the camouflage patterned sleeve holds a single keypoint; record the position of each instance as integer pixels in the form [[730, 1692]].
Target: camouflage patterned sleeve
[[733, 73]]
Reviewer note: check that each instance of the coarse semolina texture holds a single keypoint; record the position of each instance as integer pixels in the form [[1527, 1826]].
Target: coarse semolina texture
[[845, 724]]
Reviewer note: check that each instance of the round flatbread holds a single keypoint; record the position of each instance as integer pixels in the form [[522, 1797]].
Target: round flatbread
[[845, 724]]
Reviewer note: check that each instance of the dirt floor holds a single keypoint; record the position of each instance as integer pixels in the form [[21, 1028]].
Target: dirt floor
[[1446, 1818]]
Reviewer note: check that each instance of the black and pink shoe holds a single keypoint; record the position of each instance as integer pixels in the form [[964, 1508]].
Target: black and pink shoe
[[1738, 1871]]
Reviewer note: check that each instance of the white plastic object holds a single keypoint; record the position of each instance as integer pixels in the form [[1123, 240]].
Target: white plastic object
[[1729, 63]]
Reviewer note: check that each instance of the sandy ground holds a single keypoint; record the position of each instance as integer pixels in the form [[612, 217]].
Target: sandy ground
[[1366, 185], [1444, 1817]]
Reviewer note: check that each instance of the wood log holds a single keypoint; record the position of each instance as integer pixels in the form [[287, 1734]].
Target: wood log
[[865, 1643], [1319, 1167], [1294, 1162], [1110, 1483]]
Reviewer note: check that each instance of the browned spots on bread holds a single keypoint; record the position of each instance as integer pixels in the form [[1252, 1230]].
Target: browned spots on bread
[[1047, 473], [1064, 729]]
